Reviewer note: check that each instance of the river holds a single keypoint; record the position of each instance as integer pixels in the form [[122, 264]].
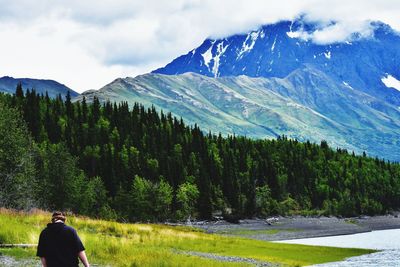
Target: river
[[386, 240]]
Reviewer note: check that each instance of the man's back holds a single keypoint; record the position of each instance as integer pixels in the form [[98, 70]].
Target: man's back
[[60, 245]]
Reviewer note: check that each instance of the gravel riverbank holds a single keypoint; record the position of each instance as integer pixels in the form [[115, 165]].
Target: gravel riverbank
[[11, 262], [284, 228], [216, 257]]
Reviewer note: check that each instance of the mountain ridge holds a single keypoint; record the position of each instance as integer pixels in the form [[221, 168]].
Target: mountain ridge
[[54, 88]]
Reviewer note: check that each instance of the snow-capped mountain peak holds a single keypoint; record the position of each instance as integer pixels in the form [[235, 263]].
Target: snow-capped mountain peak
[[279, 49]]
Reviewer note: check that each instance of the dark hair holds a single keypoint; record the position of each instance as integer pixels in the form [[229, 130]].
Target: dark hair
[[58, 215]]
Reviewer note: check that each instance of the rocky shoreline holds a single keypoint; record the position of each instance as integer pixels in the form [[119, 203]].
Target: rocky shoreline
[[217, 257], [295, 227]]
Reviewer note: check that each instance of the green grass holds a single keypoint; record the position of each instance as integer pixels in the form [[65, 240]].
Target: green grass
[[18, 253], [117, 244]]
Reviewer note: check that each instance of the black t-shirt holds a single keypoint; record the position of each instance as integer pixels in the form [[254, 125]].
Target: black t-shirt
[[60, 245]]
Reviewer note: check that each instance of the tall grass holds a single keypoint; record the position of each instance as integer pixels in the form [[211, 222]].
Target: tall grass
[[117, 244]]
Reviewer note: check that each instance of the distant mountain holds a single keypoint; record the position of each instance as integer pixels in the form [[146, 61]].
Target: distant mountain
[[272, 81], [8, 85], [319, 109], [276, 51]]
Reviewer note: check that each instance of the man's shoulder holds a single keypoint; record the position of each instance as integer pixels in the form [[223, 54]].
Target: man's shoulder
[[51, 227], [44, 231], [69, 228]]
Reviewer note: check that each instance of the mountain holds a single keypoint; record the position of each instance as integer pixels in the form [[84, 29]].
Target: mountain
[[316, 110], [272, 81], [53, 88], [277, 50]]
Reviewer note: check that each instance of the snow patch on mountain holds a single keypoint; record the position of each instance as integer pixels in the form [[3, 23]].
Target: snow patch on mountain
[[328, 55], [391, 82], [273, 45], [348, 85], [207, 56], [220, 51], [249, 43]]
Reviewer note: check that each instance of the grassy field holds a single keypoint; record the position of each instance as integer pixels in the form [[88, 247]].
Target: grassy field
[[116, 244]]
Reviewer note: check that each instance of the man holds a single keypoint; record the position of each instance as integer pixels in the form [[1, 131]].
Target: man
[[59, 244]]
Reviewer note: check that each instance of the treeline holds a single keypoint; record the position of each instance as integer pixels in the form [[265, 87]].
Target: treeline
[[133, 163]]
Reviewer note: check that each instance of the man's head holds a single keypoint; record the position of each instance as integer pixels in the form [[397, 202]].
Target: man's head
[[58, 216]]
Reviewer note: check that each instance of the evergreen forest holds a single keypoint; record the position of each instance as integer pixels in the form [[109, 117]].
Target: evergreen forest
[[132, 163]]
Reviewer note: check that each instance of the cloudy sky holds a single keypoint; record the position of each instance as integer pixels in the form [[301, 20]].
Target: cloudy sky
[[86, 44]]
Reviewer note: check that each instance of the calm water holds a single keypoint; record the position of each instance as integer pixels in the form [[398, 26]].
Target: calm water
[[386, 240]]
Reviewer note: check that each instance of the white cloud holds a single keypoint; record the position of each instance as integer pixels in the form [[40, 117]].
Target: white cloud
[[336, 32], [47, 52], [86, 44]]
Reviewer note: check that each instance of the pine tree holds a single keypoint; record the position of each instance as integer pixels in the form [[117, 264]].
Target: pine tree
[[19, 92]]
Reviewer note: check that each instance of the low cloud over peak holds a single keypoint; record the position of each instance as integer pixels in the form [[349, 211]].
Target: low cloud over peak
[[86, 44], [334, 32]]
